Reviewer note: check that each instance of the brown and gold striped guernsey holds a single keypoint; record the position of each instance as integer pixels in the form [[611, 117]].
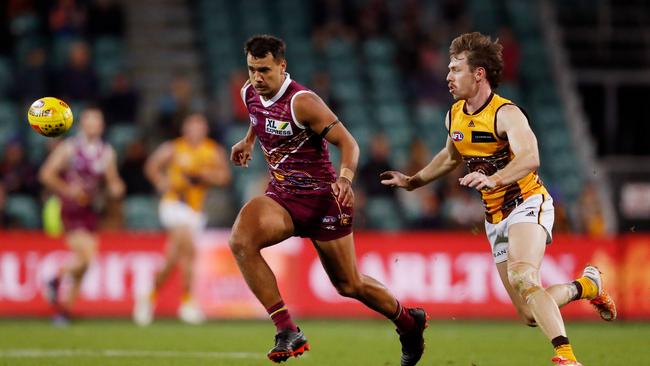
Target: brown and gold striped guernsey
[[475, 137], [184, 169]]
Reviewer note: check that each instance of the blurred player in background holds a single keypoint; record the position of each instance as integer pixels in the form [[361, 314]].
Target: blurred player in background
[[305, 198], [492, 136], [75, 171], [182, 171]]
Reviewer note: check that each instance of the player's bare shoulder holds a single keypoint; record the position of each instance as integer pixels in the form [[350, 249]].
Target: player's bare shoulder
[[510, 116], [62, 152], [307, 101], [243, 90], [308, 108], [511, 113]]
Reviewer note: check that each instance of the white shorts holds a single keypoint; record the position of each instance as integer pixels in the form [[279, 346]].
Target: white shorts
[[536, 209], [174, 213]]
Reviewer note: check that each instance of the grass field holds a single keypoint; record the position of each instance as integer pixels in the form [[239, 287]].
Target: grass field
[[118, 342]]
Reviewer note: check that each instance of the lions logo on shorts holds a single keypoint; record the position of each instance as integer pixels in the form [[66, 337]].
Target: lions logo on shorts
[[345, 219]]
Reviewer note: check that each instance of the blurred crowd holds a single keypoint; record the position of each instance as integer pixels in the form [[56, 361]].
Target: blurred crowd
[[58, 48]]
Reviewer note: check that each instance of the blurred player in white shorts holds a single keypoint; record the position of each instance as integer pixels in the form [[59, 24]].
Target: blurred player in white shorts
[[183, 170]]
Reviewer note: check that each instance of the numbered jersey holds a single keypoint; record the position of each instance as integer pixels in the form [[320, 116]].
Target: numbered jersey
[[475, 137], [298, 158]]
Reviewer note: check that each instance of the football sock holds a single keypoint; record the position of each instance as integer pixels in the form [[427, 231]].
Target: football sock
[[281, 317], [403, 319], [587, 289], [563, 348]]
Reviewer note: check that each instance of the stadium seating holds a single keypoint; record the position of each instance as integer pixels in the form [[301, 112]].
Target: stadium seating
[[5, 76], [120, 136], [107, 59], [371, 98], [8, 123], [24, 209], [542, 102], [384, 214], [140, 212], [368, 87]]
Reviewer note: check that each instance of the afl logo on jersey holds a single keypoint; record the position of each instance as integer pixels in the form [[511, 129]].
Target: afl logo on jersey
[[253, 119], [457, 136]]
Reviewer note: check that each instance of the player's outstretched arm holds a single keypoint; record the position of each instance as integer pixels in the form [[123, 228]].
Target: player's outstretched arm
[[444, 162], [114, 183], [311, 111], [242, 152], [511, 122], [154, 165]]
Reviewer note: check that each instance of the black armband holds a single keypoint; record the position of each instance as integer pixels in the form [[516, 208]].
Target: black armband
[[327, 129]]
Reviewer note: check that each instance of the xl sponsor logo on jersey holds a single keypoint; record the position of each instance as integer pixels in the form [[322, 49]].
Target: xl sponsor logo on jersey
[[279, 128], [457, 136]]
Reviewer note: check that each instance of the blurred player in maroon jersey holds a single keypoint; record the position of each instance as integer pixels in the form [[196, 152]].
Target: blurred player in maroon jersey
[[75, 171]]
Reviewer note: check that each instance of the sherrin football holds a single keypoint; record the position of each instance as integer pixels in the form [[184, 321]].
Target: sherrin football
[[50, 116]]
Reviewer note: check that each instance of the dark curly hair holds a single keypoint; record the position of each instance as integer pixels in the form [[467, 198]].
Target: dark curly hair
[[481, 52], [260, 45]]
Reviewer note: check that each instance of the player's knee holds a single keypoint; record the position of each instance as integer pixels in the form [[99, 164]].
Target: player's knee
[[240, 247], [523, 278], [237, 247], [349, 288], [80, 270]]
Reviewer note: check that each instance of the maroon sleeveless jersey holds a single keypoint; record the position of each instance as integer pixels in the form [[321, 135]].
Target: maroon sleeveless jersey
[[86, 167], [298, 158]]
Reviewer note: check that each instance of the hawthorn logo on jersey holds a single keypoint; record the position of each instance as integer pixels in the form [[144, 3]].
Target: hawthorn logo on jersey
[[279, 128], [457, 136]]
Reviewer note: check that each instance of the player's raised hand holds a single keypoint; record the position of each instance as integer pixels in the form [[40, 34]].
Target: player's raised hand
[[477, 180], [342, 189], [241, 153], [394, 179]]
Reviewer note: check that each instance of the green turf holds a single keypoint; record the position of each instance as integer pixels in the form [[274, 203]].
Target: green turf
[[118, 342]]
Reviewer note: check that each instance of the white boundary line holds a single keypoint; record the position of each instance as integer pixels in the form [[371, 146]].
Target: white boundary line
[[45, 353]]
